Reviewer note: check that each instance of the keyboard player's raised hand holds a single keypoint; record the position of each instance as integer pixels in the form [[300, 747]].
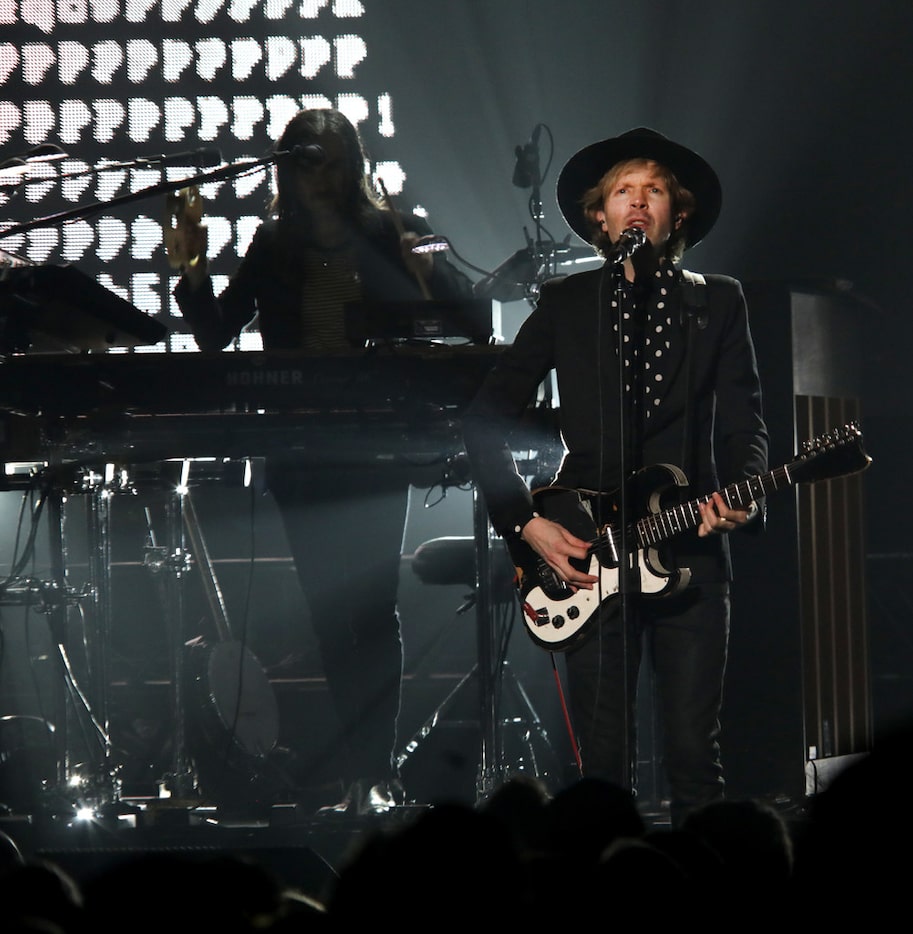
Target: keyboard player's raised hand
[[186, 237]]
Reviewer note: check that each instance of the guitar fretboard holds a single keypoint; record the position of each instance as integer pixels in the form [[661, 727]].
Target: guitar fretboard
[[659, 526]]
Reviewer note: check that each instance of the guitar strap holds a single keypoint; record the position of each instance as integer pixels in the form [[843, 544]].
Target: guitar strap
[[694, 292], [694, 316]]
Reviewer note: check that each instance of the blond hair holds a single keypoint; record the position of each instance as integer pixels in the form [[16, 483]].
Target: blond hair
[[682, 201]]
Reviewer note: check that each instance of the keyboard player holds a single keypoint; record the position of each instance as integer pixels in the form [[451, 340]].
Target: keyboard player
[[329, 241]]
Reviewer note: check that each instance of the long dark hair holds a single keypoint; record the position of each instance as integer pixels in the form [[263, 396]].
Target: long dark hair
[[361, 202]]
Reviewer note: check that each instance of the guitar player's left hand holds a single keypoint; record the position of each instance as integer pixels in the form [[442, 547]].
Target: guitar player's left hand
[[718, 519]]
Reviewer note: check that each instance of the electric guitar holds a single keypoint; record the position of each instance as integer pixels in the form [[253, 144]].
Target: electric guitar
[[557, 616]]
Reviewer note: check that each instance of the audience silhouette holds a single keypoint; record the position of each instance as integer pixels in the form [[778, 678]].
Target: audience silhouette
[[852, 852], [39, 895], [452, 862], [520, 854], [755, 848]]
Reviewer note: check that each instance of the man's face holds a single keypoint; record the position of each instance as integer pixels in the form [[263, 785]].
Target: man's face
[[638, 196]]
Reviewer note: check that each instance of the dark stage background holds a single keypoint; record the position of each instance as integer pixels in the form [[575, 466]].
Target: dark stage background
[[803, 108]]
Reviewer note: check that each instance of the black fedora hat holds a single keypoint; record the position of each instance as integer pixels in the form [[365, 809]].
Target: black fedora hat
[[586, 167]]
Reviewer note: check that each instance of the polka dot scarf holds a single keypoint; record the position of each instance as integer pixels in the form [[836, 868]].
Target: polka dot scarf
[[647, 344]]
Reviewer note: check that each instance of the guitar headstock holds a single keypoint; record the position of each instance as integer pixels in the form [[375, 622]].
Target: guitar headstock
[[837, 453]]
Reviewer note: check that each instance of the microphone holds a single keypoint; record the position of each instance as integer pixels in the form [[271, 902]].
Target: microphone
[[199, 158], [526, 170], [631, 240], [312, 154]]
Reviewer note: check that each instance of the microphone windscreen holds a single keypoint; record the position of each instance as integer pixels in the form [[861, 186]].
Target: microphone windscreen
[[207, 158]]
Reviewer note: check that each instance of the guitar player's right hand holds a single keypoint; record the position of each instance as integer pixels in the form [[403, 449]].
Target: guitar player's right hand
[[557, 546]]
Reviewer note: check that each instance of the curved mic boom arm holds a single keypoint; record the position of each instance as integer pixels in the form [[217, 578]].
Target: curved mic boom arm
[[78, 213]]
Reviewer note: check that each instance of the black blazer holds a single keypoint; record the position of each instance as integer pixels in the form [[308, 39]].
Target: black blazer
[[570, 331]]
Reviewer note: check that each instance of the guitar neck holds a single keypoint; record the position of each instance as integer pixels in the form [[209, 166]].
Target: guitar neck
[[657, 527]]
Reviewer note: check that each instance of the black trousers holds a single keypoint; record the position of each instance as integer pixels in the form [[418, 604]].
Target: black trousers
[[685, 638], [345, 531]]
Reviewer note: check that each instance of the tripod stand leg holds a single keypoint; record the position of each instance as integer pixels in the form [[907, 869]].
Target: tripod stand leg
[[57, 620], [490, 752], [425, 729], [98, 518]]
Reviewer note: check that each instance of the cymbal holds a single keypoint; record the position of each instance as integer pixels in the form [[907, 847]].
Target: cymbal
[[575, 254], [510, 281]]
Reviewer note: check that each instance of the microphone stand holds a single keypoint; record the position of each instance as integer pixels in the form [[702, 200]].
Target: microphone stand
[[161, 188], [528, 173], [542, 252], [625, 431], [630, 444]]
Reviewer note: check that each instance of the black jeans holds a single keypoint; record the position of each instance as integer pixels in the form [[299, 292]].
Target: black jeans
[[345, 531], [685, 637]]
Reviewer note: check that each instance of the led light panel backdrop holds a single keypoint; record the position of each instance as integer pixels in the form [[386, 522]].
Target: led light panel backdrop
[[120, 87]]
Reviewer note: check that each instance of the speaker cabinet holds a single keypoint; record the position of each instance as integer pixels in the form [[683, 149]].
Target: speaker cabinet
[[798, 687]]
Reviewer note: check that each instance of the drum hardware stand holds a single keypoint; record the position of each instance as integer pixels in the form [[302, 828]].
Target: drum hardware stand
[[521, 275], [493, 762], [490, 751], [101, 489], [169, 566], [92, 785], [491, 748], [490, 670], [530, 726]]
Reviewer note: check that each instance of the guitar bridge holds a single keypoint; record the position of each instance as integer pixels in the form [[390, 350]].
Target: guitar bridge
[[552, 585]]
